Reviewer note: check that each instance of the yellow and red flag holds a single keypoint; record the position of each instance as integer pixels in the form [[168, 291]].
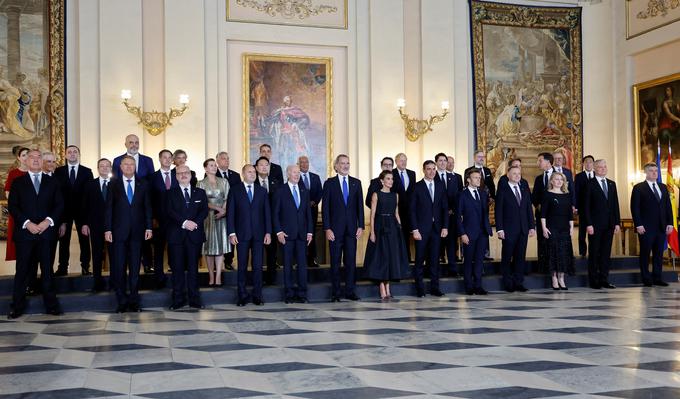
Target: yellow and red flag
[[673, 243]]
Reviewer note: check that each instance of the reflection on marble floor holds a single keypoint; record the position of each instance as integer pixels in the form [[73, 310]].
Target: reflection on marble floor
[[622, 343]]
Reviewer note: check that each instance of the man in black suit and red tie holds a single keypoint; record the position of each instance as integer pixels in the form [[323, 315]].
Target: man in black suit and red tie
[[312, 182], [452, 186], [602, 219], [249, 229], [650, 206], [234, 178], [580, 182], [343, 220], [127, 224], [94, 207], [275, 171], [292, 223], [404, 185], [35, 203], [271, 185], [375, 185], [187, 208], [72, 178]]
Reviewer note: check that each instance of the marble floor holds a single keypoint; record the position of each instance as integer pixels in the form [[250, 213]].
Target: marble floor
[[622, 343]]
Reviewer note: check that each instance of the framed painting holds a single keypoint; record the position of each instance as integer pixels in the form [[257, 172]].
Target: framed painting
[[309, 13], [288, 104], [32, 75], [527, 83], [643, 16], [657, 120]]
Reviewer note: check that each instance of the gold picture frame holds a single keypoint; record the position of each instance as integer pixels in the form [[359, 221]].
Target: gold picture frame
[[273, 86], [287, 12]]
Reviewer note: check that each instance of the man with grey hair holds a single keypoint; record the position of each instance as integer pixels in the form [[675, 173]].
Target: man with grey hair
[[49, 163], [404, 185], [234, 179]]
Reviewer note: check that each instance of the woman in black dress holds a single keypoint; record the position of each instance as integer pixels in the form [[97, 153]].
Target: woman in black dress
[[558, 223], [386, 258]]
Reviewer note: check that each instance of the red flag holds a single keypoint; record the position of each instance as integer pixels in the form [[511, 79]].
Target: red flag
[[673, 242]]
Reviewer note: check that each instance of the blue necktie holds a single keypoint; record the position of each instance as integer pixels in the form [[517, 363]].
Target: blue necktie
[[250, 194], [476, 195], [306, 181], [187, 199], [403, 182], [296, 197], [36, 183], [345, 190], [72, 175], [129, 191]]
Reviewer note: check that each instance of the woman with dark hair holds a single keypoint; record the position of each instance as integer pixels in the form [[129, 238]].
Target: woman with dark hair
[[217, 243], [21, 153], [386, 259]]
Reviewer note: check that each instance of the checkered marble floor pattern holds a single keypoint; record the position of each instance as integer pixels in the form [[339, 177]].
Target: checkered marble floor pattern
[[622, 343]]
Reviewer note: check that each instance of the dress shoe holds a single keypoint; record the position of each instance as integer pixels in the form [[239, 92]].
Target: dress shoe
[[420, 294], [647, 283], [177, 306], [488, 259], [352, 297], [459, 259], [470, 292], [258, 302], [242, 302], [607, 285], [455, 275], [660, 283], [510, 289], [55, 311], [521, 288], [290, 300], [312, 264], [557, 287], [87, 272], [229, 267], [148, 269], [564, 288], [121, 309], [30, 291], [436, 293], [134, 308], [301, 299], [14, 314], [595, 286], [99, 286], [61, 272], [335, 298], [480, 291], [196, 305]]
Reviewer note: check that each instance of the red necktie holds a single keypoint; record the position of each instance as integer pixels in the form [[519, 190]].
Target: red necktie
[[167, 180]]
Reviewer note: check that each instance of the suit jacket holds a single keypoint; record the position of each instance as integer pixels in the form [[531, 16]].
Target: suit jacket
[[511, 217], [473, 215], [315, 189], [425, 214], [275, 172], [158, 192], [94, 206], [503, 181], [127, 220], [649, 212], [24, 204], [249, 221], [73, 193], [144, 169], [178, 212], [295, 222], [599, 211], [580, 188], [539, 190], [453, 189], [405, 196], [274, 186], [337, 216], [232, 177], [192, 183], [487, 181]]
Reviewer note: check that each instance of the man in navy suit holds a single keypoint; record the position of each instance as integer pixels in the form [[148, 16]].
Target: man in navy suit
[[186, 208], [234, 178], [127, 224], [503, 180], [404, 185], [275, 171], [474, 229], [35, 203], [343, 222], [602, 220], [312, 183], [545, 160], [271, 185], [487, 184], [375, 185], [452, 187], [143, 164], [72, 179], [558, 166], [292, 223], [249, 228], [94, 206], [179, 158], [515, 223], [429, 214], [161, 181], [650, 206], [580, 182]]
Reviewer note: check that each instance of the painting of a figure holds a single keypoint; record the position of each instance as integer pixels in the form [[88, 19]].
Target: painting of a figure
[[527, 83], [657, 119], [287, 105]]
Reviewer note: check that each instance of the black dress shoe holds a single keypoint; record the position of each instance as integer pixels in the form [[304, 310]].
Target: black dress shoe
[[290, 300], [55, 311], [258, 302], [660, 283], [121, 309], [14, 314], [177, 306], [335, 298], [521, 288], [30, 291], [488, 259], [420, 294], [61, 273], [470, 292], [647, 283], [436, 293], [455, 275], [312, 264], [352, 297], [196, 305], [607, 285], [301, 299], [229, 267], [148, 269], [595, 286], [87, 272], [510, 289], [134, 308], [480, 291], [242, 302]]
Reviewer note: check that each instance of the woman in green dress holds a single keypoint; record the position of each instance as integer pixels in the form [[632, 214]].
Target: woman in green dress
[[217, 243]]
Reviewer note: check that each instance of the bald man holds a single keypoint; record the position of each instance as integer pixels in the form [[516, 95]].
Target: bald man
[[143, 164]]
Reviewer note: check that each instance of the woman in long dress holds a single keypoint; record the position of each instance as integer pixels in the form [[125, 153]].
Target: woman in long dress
[[386, 259], [217, 243], [20, 170], [558, 225]]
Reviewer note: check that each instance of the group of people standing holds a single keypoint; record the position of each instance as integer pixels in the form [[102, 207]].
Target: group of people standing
[[135, 213]]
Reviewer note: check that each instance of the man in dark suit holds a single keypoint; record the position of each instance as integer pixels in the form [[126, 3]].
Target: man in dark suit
[[127, 224], [94, 207], [650, 206], [143, 164], [487, 184], [179, 158], [249, 229], [161, 181], [602, 218], [35, 203], [558, 166], [452, 186], [234, 178], [404, 185], [187, 208], [580, 182], [503, 180], [292, 223], [544, 162], [312, 183], [474, 229], [429, 214], [515, 223], [275, 171], [343, 221], [375, 185], [72, 179], [271, 185]]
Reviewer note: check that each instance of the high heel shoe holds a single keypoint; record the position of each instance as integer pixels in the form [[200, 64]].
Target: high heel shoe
[[564, 288], [556, 288]]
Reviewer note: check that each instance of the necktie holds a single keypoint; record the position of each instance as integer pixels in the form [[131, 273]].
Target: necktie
[[129, 191], [345, 190], [481, 172], [250, 194], [36, 183], [105, 189], [296, 197], [517, 195], [656, 192], [72, 175], [476, 195], [187, 199], [167, 180], [545, 179], [443, 176], [603, 183], [264, 184], [225, 175], [306, 181], [403, 181], [431, 189]]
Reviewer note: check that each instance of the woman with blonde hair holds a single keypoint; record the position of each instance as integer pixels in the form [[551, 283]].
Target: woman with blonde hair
[[558, 224]]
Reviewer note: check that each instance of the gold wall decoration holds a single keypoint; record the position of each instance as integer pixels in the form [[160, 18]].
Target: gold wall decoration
[[289, 9], [643, 16], [310, 13], [527, 83]]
